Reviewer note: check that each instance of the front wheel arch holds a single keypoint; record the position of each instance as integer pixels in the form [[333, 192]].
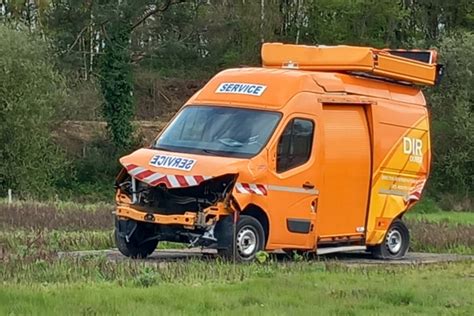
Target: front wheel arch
[[229, 245], [259, 214]]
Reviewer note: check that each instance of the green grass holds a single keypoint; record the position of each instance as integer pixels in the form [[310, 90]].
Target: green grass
[[33, 280], [59, 205], [24, 243], [442, 232], [461, 218], [281, 289]]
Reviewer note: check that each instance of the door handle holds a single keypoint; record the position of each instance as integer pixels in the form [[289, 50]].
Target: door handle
[[308, 185]]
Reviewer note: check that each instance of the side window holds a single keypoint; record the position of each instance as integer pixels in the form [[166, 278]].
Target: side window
[[294, 146]]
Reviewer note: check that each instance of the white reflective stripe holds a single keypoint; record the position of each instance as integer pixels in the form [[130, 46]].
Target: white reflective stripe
[[152, 178], [173, 181], [411, 197], [292, 189], [190, 180], [207, 177], [255, 189], [240, 188], [265, 189], [392, 192], [136, 171]]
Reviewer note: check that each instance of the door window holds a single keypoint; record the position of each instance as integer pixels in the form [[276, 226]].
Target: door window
[[294, 146]]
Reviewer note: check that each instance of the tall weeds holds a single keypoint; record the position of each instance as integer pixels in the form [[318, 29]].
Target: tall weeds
[[55, 215]]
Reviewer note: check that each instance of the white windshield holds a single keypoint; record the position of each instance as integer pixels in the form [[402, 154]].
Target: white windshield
[[222, 131]]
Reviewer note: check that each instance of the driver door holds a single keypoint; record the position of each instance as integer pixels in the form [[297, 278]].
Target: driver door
[[293, 183]]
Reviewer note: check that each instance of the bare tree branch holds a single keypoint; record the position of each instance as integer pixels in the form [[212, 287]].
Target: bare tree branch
[[155, 10], [78, 37]]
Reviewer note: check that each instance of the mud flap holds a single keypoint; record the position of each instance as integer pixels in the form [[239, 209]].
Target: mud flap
[[125, 228]]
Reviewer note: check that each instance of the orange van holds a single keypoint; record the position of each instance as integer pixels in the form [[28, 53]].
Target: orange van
[[322, 149]]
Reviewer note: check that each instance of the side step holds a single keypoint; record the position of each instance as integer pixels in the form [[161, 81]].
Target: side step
[[324, 251]]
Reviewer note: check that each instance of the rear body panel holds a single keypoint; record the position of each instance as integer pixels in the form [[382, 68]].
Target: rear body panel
[[347, 171]]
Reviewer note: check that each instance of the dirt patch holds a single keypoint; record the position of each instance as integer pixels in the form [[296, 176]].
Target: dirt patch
[[76, 136], [159, 98]]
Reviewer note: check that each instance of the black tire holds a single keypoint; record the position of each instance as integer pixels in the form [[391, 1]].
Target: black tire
[[249, 239], [135, 247], [395, 243]]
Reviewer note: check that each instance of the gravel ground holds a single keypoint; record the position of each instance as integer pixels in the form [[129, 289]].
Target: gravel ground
[[354, 258]]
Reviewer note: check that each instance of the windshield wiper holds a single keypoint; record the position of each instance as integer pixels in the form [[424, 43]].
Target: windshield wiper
[[160, 148], [230, 142], [212, 152]]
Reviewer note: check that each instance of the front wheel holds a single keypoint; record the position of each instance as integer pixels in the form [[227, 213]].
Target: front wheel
[[138, 246], [247, 242], [395, 243]]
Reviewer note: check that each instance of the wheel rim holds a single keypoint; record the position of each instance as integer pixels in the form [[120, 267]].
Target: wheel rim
[[394, 241], [247, 241]]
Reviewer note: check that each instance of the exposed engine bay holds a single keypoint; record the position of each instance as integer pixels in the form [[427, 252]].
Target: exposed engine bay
[[164, 201], [161, 200]]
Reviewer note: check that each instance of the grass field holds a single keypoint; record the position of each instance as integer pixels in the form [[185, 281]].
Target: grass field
[[300, 288], [451, 218], [34, 280]]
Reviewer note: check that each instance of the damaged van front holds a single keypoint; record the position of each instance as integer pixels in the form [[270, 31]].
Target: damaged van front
[[189, 183]]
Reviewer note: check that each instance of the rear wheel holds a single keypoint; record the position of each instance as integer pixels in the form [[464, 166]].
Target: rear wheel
[[249, 240], [140, 244], [395, 243]]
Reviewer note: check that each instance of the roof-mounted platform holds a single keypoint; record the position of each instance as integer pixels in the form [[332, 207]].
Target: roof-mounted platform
[[412, 66]]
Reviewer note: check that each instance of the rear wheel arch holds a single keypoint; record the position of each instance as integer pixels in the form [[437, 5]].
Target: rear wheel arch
[[395, 243]]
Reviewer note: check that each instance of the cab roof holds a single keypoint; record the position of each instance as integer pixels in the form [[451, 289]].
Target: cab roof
[[280, 85]]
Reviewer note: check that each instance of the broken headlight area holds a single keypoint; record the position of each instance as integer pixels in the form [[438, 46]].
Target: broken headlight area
[[162, 200]]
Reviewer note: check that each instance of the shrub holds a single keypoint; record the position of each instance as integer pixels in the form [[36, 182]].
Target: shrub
[[453, 120], [31, 90]]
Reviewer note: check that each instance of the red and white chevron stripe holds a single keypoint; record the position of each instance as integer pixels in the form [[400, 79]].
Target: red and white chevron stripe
[[251, 188], [415, 193], [171, 181]]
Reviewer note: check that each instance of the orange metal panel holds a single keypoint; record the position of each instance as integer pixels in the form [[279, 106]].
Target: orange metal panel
[[188, 219], [346, 165], [348, 58]]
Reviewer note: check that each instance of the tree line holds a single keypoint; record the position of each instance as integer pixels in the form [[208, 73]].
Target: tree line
[[109, 44]]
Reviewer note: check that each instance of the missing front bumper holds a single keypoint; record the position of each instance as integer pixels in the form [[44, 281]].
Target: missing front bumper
[[187, 219]]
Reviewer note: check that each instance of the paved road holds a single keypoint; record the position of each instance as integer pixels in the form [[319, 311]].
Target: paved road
[[355, 258]]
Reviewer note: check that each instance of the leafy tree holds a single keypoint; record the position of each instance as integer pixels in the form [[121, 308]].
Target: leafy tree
[[452, 109], [432, 19], [71, 28], [31, 91], [110, 42], [362, 22], [115, 73], [117, 86]]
